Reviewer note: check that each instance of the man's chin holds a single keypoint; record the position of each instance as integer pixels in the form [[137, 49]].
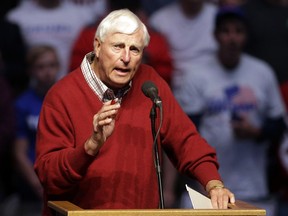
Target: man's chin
[[119, 83]]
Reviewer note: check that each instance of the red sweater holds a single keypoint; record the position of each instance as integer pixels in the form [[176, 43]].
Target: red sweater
[[122, 175]]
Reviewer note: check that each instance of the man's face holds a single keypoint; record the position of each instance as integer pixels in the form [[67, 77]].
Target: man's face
[[119, 57], [231, 37], [45, 69]]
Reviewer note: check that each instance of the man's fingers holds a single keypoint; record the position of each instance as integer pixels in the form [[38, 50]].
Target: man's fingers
[[232, 198], [225, 202], [214, 202], [220, 197], [106, 115]]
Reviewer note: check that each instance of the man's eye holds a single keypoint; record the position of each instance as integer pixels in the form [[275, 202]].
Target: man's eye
[[117, 46], [135, 50]]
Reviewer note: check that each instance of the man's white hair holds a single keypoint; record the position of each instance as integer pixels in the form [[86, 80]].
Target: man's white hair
[[121, 21]]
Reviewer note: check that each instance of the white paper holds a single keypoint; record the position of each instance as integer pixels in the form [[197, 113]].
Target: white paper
[[198, 200]]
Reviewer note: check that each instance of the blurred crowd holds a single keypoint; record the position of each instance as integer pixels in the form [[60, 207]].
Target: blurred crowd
[[225, 61]]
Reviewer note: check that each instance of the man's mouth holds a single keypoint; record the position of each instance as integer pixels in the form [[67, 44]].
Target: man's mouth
[[122, 70]]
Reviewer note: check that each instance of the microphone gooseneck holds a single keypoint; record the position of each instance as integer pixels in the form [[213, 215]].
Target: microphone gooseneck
[[150, 90]]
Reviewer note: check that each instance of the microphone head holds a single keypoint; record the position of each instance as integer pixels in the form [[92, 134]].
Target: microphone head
[[150, 90], [149, 87]]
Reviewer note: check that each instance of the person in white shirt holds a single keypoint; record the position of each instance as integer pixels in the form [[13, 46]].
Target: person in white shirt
[[234, 100], [188, 27], [53, 22]]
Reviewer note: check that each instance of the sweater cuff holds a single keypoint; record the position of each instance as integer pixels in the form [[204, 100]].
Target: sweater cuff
[[206, 172], [80, 160]]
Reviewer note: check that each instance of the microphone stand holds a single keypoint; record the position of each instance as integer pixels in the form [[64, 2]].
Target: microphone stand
[[153, 115]]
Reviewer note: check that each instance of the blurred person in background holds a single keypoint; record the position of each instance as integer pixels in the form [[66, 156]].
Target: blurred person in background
[[7, 129], [12, 50], [234, 100], [281, 176], [12, 82], [150, 7], [53, 22], [189, 33], [268, 36], [268, 40], [43, 68]]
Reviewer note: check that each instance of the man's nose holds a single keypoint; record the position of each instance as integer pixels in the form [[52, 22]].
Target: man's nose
[[126, 55]]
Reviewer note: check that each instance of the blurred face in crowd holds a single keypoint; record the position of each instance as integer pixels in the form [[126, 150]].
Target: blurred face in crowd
[[49, 3], [45, 69], [231, 36], [119, 57], [191, 7]]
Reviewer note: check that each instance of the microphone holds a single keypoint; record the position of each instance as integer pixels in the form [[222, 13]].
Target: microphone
[[150, 90]]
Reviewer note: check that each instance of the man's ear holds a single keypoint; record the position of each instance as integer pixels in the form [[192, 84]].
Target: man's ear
[[97, 45]]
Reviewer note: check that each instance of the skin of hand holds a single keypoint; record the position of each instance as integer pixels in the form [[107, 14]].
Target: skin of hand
[[243, 129], [219, 195], [103, 126]]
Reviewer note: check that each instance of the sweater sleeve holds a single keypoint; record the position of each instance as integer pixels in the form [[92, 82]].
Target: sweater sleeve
[[60, 163], [188, 151]]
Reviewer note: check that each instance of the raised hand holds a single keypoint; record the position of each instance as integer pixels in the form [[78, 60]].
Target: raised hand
[[103, 126]]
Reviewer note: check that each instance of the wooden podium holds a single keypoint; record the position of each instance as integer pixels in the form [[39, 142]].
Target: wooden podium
[[65, 208]]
